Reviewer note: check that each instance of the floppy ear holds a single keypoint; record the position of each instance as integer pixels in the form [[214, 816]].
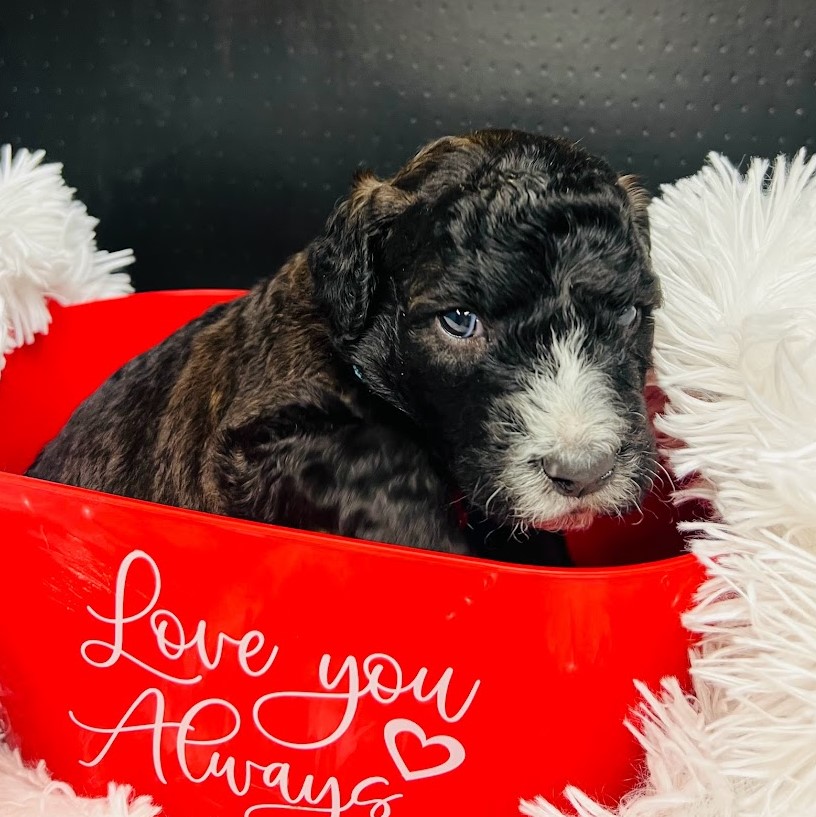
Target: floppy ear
[[342, 260], [639, 199]]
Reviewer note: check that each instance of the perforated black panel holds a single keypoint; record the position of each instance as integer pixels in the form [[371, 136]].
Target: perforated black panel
[[214, 137]]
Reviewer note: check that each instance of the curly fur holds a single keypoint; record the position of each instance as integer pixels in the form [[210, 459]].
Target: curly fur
[[255, 410]]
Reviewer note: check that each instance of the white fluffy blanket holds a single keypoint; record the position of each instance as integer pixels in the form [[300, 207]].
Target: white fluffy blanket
[[31, 793], [47, 249], [736, 355]]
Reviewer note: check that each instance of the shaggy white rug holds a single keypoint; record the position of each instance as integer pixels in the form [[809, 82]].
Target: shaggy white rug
[[47, 249], [26, 792], [736, 355]]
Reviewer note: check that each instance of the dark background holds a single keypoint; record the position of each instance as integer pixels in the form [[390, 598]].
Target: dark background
[[213, 136]]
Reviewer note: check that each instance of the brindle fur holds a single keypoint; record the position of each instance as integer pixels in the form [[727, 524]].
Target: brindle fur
[[254, 409]]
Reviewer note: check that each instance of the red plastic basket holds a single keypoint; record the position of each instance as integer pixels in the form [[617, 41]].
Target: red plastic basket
[[232, 668]]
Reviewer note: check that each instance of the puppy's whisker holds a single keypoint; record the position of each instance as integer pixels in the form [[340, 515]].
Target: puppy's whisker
[[669, 475], [492, 497], [652, 478]]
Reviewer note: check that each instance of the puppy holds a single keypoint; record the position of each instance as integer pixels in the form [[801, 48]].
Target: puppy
[[479, 325]]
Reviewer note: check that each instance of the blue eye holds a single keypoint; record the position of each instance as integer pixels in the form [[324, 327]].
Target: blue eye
[[628, 316], [461, 324]]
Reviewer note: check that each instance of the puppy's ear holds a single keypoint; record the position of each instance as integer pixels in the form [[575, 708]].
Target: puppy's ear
[[342, 260], [639, 199]]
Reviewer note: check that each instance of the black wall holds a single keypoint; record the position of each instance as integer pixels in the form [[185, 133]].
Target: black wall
[[213, 136]]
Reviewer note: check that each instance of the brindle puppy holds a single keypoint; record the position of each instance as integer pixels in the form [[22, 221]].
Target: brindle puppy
[[479, 323]]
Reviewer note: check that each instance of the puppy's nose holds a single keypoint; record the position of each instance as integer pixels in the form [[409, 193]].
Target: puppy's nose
[[570, 480]]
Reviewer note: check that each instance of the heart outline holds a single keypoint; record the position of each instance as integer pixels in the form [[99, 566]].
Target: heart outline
[[397, 726]]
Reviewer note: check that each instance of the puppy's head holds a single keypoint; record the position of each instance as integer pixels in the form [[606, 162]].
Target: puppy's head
[[498, 290]]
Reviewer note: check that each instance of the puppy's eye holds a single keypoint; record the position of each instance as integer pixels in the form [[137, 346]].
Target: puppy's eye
[[628, 317], [461, 324]]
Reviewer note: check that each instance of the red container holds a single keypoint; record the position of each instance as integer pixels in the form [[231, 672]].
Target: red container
[[230, 668]]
